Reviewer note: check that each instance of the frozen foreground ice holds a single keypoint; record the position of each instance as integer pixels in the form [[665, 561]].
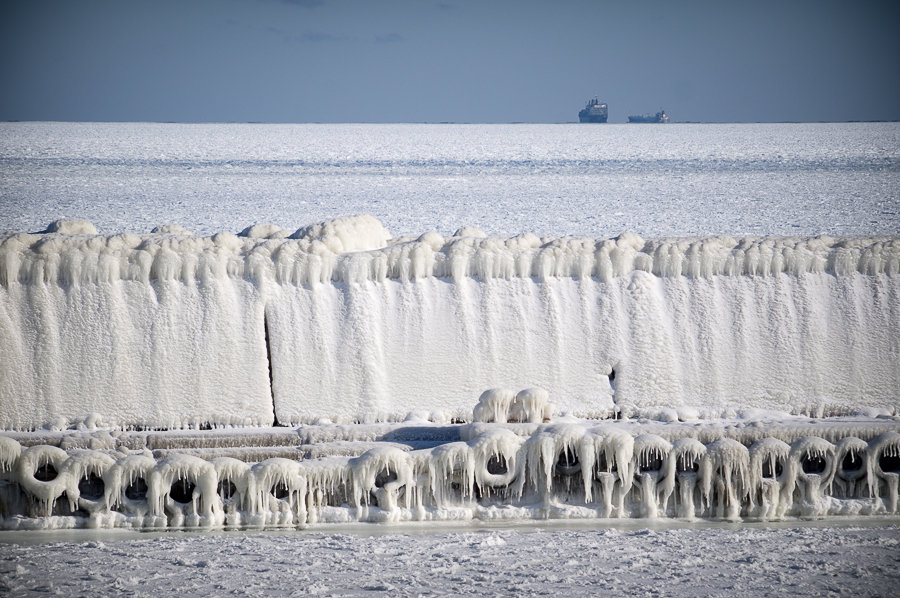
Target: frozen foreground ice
[[750, 560]]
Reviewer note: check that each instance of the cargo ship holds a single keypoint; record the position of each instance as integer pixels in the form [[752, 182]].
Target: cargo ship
[[659, 117], [594, 112]]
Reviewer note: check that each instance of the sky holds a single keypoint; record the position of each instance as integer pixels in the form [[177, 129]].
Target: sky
[[449, 61]]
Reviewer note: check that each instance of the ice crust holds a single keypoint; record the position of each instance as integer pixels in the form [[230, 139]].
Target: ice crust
[[169, 330], [568, 469]]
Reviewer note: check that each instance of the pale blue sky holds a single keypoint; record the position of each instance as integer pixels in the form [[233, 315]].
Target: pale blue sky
[[461, 61]]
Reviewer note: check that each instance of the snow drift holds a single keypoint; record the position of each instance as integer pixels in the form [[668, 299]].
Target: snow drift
[[340, 321]]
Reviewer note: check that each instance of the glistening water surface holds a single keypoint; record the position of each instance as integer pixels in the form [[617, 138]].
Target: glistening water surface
[[597, 181]]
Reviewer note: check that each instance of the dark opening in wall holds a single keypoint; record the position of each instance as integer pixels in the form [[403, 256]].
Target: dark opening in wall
[[889, 463], [617, 412], [851, 463], [496, 465], [650, 464], [275, 421], [280, 490], [604, 465], [226, 489], [136, 490], [63, 508], [182, 491], [813, 464], [772, 470], [567, 462], [685, 466], [45, 473], [385, 477], [91, 487]]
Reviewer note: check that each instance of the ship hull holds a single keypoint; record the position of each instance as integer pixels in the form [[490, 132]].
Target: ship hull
[[659, 117], [591, 118]]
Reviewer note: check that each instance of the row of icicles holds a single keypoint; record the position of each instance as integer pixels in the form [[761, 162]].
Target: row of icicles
[[358, 249], [603, 470]]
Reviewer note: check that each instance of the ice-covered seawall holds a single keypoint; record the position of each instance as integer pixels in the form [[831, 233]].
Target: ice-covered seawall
[[341, 321]]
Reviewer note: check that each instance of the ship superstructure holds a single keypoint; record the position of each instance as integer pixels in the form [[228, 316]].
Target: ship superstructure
[[595, 112]]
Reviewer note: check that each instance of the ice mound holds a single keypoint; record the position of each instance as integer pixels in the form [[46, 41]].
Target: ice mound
[[264, 231], [170, 229], [501, 405], [345, 235], [71, 227]]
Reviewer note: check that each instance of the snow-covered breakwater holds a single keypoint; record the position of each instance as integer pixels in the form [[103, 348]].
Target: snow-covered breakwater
[[341, 321]]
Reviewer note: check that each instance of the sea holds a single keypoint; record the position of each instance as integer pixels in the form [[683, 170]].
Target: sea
[[549, 179]]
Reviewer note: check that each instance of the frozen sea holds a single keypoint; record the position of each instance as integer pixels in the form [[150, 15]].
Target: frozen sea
[[538, 560], [598, 181]]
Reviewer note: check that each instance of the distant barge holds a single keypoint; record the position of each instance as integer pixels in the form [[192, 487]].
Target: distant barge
[[659, 117]]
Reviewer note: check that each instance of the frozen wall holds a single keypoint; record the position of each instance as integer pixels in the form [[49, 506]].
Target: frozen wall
[[137, 332], [169, 330]]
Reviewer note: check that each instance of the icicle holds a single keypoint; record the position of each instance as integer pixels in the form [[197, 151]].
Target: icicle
[[493, 405], [382, 472], [651, 453], [9, 454], [531, 405], [729, 463], [851, 466], [451, 474], [613, 468], [884, 465], [770, 478], [40, 472], [497, 461], [184, 488], [277, 493], [127, 485], [553, 452], [811, 464], [86, 489], [232, 487], [683, 466]]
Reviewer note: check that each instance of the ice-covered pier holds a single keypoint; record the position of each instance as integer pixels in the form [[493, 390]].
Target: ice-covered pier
[[329, 374]]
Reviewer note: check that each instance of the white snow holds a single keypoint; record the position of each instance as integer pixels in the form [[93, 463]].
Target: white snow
[[357, 327], [542, 560]]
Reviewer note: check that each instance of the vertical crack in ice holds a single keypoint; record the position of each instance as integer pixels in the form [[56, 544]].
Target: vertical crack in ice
[[268, 342]]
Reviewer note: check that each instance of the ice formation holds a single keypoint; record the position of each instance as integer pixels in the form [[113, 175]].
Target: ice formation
[[692, 378], [498, 470], [340, 321]]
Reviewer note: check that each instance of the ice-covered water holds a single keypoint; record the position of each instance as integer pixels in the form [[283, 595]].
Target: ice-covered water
[[596, 181], [655, 560]]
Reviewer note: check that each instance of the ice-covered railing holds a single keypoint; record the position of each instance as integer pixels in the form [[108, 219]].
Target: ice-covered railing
[[339, 320], [559, 470], [359, 249]]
